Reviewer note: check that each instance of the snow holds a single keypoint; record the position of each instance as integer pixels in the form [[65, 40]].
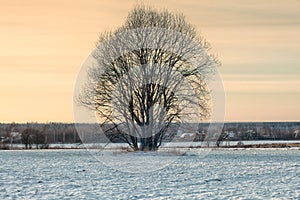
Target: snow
[[166, 144], [79, 174]]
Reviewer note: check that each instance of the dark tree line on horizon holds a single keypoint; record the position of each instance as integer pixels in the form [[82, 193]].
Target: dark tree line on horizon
[[38, 135], [59, 133]]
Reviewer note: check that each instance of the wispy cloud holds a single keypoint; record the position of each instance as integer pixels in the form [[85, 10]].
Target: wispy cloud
[[263, 87]]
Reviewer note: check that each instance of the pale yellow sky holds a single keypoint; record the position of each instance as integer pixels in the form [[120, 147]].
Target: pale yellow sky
[[43, 43]]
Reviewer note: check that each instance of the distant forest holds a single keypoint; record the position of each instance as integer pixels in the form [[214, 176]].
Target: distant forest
[[40, 135]]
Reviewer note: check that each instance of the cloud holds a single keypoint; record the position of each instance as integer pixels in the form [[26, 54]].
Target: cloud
[[263, 87]]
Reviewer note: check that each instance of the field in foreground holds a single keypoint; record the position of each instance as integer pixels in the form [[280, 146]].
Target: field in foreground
[[221, 174], [231, 144]]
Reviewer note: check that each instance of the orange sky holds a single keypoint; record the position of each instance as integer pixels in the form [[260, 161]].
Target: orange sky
[[43, 43]]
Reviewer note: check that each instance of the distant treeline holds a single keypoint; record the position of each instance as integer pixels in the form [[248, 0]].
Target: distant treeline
[[39, 135], [262, 130]]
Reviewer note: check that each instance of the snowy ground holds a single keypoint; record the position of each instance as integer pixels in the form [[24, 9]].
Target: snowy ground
[[222, 174], [172, 144]]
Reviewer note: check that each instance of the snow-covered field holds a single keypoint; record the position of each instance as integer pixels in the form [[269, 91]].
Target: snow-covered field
[[172, 144], [81, 174]]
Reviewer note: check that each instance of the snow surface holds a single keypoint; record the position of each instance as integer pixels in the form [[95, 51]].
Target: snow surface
[[166, 144], [222, 174]]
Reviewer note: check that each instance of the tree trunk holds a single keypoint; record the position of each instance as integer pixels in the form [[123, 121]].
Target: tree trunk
[[148, 144]]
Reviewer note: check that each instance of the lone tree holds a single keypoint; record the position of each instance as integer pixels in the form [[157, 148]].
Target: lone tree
[[149, 76]]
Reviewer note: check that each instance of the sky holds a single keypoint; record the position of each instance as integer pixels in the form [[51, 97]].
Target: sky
[[44, 43]]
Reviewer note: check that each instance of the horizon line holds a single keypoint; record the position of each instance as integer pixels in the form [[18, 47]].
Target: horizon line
[[229, 121]]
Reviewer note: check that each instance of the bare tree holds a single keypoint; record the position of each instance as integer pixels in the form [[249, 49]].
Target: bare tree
[[149, 75], [27, 137], [39, 139]]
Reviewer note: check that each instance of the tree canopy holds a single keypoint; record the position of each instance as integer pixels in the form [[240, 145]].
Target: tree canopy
[[149, 77]]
